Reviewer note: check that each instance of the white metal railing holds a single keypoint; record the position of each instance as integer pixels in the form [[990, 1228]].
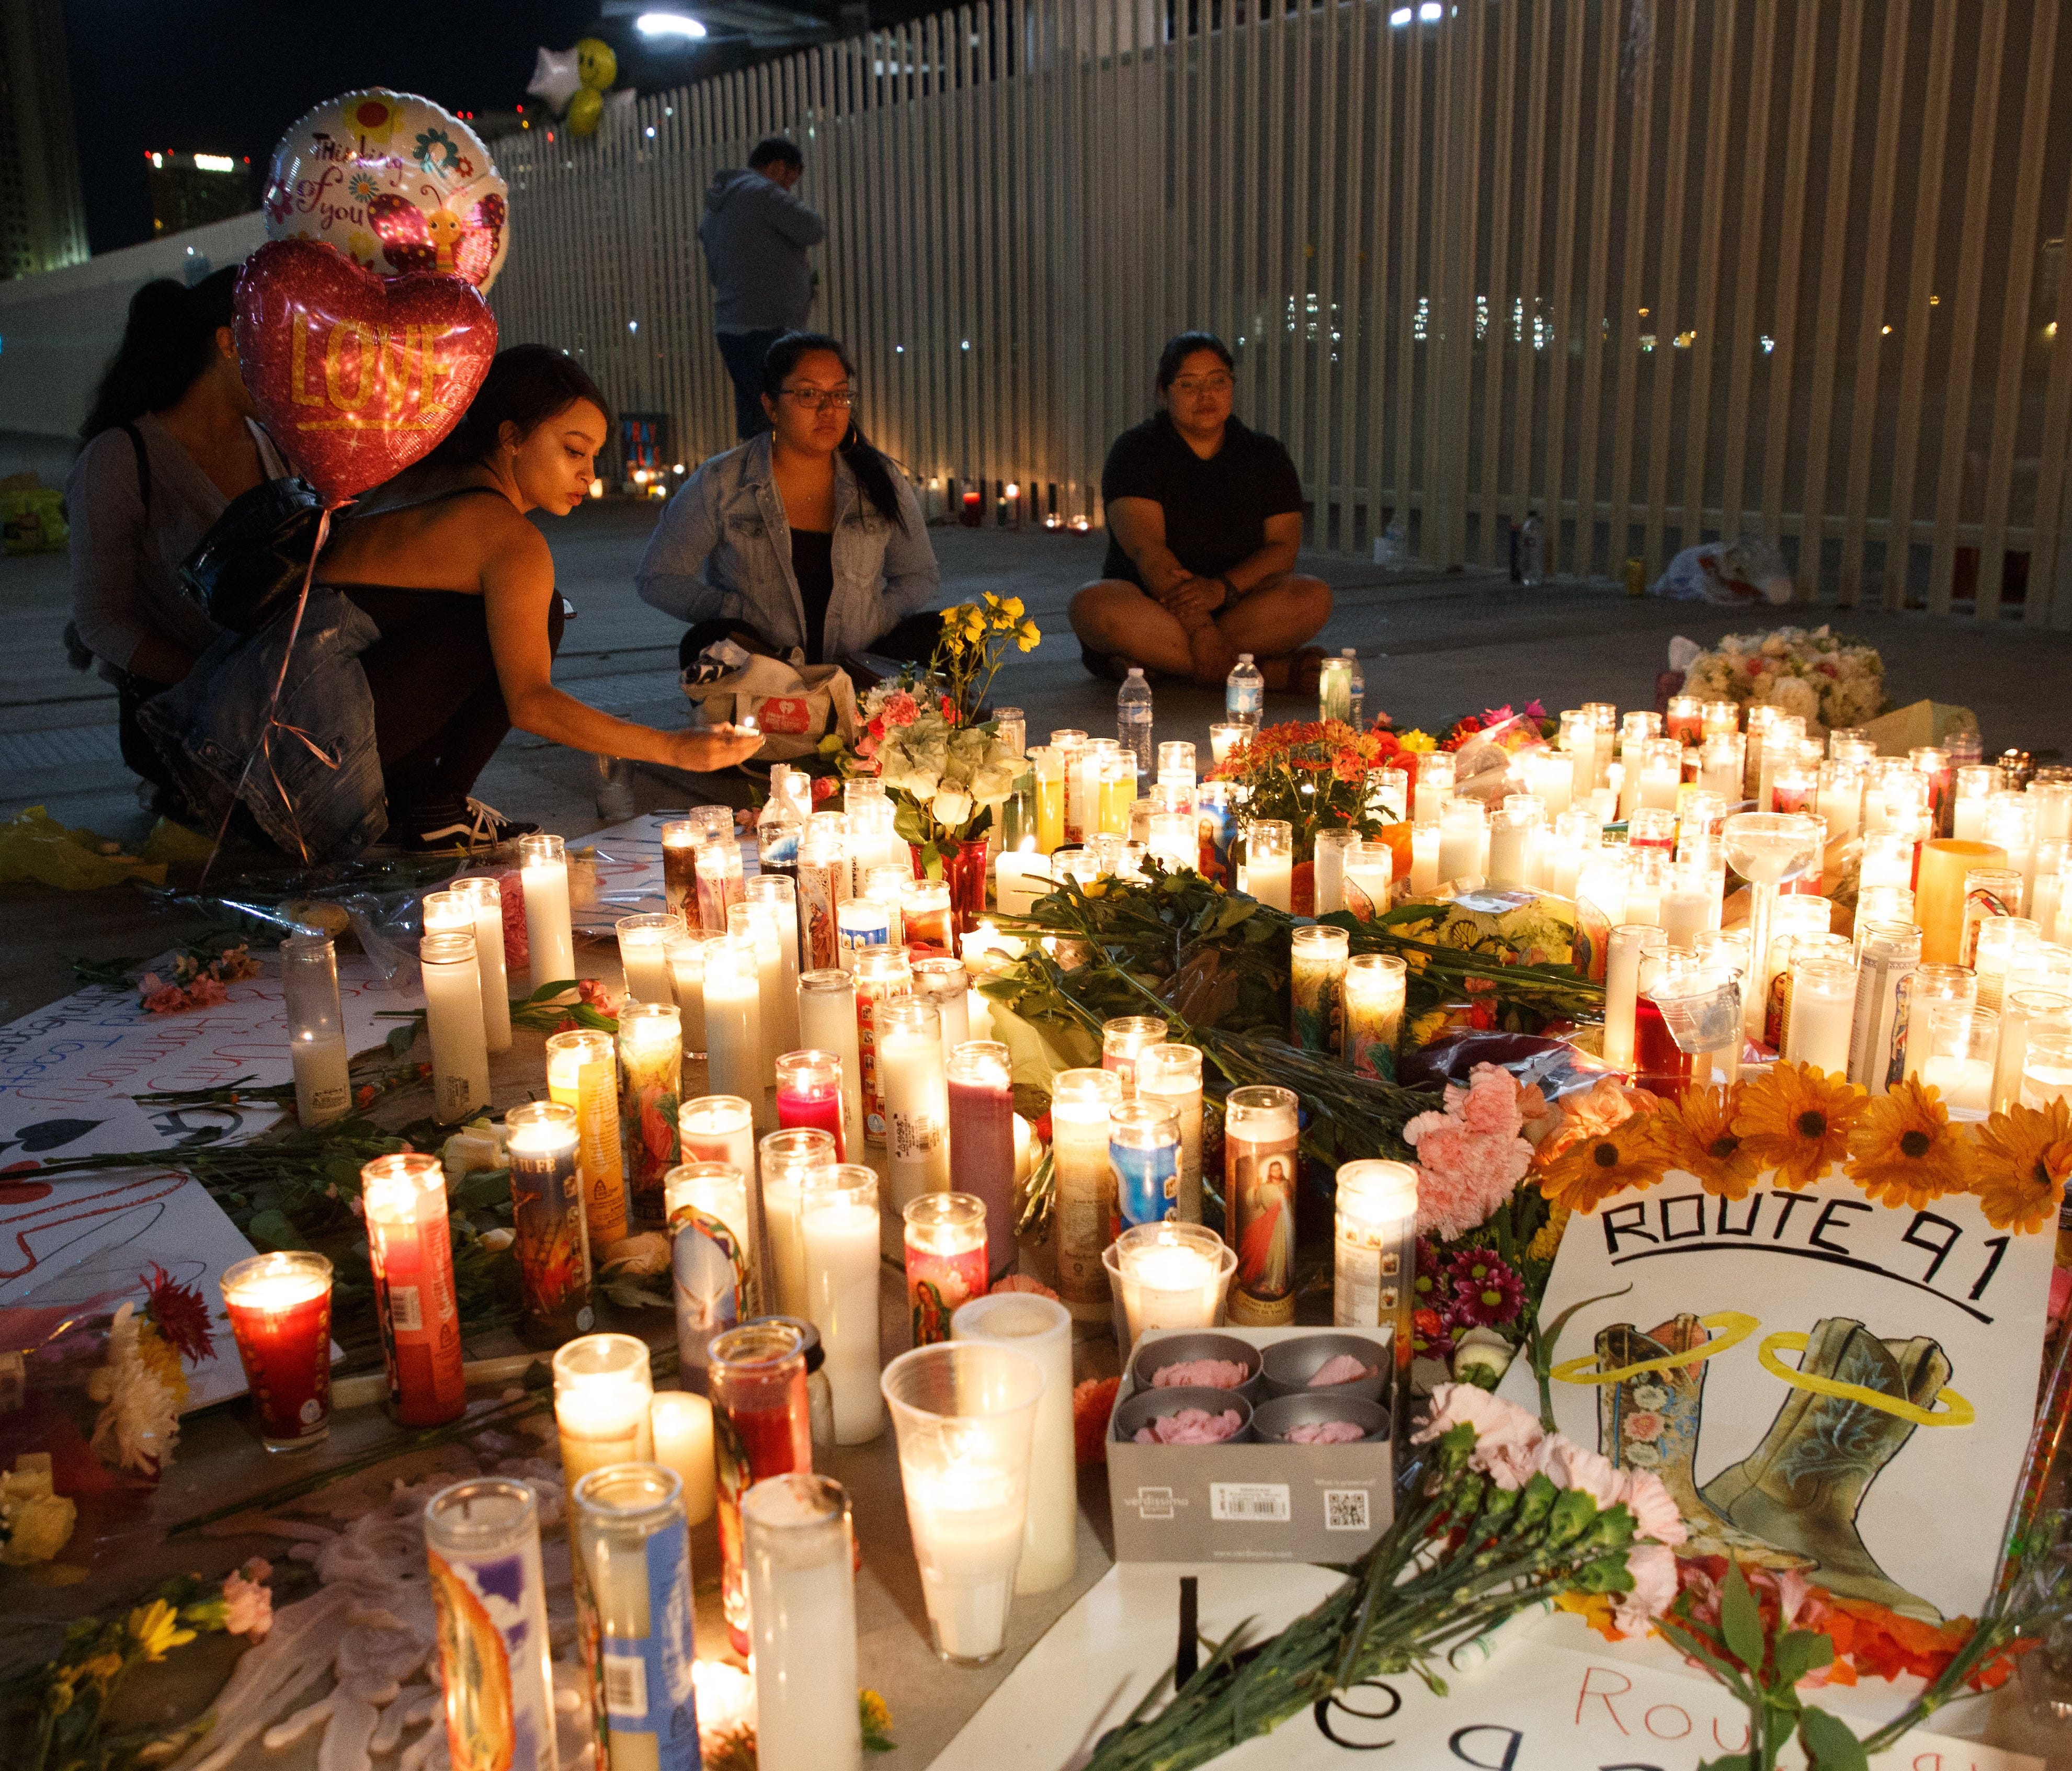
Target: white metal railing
[[1657, 268]]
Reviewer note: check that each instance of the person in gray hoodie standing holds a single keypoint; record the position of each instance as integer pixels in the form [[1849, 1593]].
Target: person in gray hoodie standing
[[755, 234]]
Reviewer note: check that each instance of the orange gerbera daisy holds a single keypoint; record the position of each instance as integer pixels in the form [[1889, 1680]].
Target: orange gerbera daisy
[[1697, 1136], [1594, 1168], [1796, 1119], [1903, 1149], [2018, 1166]]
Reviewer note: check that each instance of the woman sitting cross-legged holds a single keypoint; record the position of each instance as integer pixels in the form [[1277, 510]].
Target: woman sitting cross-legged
[[1204, 518], [431, 631]]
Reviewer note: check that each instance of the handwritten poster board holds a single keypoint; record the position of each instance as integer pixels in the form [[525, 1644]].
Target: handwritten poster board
[[1852, 1367]]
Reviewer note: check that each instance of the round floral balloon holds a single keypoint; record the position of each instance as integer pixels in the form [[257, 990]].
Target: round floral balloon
[[394, 182]]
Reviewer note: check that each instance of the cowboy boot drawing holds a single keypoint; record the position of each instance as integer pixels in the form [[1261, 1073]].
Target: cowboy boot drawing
[[1802, 1488], [1651, 1421]]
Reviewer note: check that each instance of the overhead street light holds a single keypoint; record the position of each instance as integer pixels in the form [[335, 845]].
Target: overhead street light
[[656, 26]]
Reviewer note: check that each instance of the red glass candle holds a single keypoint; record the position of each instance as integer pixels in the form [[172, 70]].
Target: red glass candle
[[809, 1094], [982, 1139], [756, 1374], [410, 1249], [279, 1306], [945, 1260], [1661, 1065]]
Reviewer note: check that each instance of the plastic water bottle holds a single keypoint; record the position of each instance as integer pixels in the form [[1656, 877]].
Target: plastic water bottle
[[1532, 550], [1244, 692], [1132, 720], [1356, 693]]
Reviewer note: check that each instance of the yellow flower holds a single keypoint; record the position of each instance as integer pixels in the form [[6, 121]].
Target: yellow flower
[[1418, 740], [1012, 608], [951, 615], [2020, 1165], [100, 1669], [1796, 1119], [1027, 636], [1592, 1169], [1697, 1136], [156, 1629], [162, 1360], [1548, 1242], [1903, 1151]]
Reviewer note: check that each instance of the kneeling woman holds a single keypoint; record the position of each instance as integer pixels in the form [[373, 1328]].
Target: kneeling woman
[[438, 595], [803, 538]]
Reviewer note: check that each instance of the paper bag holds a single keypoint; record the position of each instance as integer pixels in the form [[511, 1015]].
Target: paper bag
[[796, 705]]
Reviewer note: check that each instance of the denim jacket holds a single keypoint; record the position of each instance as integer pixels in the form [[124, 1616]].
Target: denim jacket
[[723, 549], [318, 792]]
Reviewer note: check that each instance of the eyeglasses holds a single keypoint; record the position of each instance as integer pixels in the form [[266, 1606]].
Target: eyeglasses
[[1193, 388], [813, 398]]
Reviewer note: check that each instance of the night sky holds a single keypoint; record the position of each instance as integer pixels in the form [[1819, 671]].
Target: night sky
[[228, 76]]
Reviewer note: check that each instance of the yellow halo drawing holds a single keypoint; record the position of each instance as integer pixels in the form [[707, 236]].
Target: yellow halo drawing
[[1957, 1411], [1735, 1327]]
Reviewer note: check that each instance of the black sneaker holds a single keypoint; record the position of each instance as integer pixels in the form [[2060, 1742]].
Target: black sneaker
[[475, 826]]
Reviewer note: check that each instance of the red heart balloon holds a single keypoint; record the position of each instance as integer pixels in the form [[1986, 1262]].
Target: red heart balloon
[[356, 375]]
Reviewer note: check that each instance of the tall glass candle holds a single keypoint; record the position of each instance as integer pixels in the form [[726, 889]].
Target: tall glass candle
[[1260, 1175], [409, 1249], [543, 874], [2001, 941], [632, 1558], [643, 949], [682, 1425], [1887, 951], [1959, 1062], [1042, 1328], [1513, 842], [979, 1078], [2022, 1012], [1046, 766], [316, 1029], [1434, 788], [1328, 868], [1464, 842], [881, 979], [827, 1023], [1622, 961], [1167, 1276], [823, 884], [750, 924], [484, 897], [1084, 1185], [2046, 1069], [489, 1595], [1317, 989], [719, 886], [1122, 1038], [943, 982], [946, 1260], [679, 867], [792, 1163], [761, 1428], [583, 1072], [650, 1086], [712, 1265], [719, 1128], [552, 1244], [1823, 1001], [809, 1093], [1375, 990], [2011, 824], [860, 924], [838, 1234], [917, 1105], [1688, 901], [1369, 874], [798, 1549], [1974, 786], [279, 1306], [603, 1387], [686, 957], [1144, 1150], [965, 1414], [1939, 894], [1373, 1244], [733, 1024], [1720, 765], [1269, 861], [929, 928], [773, 899], [453, 1024], [1170, 1076], [1989, 893]]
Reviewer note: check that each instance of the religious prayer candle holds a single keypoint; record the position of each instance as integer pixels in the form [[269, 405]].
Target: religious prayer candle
[[1375, 988], [1434, 788], [1464, 842], [979, 1079], [809, 1093], [1938, 891], [712, 1258], [2000, 942], [2046, 1068], [1167, 1276], [1317, 989], [1989, 893], [682, 1424], [720, 885], [1887, 952], [943, 982], [1823, 1001], [316, 1029], [679, 867], [798, 1549], [733, 1023], [1328, 868], [543, 875], [453, 1024], [551, 1243], [1374, 1249], [1260, 1175], [1932, 764], [489, 1594], [279, 1306], [827, 1023], [1368, 879], [1270, 860], [643, 956], [881, 978], [1424, 842], [1084, 1184], [838, 1234], [602, 1388], [650, 1086], [1958, 1064], [824, 881], [1627, 944], [761, 1427], [917, 1107], [946, 1260], [1122, 1038], [632, 1562], [686, 956], [583, 1072], [965, 1414], [409, 1249], [792, 1163], [1144, 1152], [860, 924], [1169, 1076]]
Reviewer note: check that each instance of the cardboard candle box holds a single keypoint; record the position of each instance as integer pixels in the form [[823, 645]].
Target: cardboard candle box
[[1257, 1501]]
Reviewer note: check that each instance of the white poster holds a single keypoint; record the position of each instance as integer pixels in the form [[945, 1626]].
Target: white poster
[[629, 872], [1814, 1376]]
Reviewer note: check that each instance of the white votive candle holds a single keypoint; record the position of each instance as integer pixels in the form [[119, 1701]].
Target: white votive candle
[[735, 1060], [798, 1553], [682, 1424], [826, 1023], [1041, 1328], [838, 1231], [643, 956], [1625, 951], [453, 1022], [544, 876], [316, 1029], [917, 1105], [1425, 839], [1823, 1001], [1269, 861]]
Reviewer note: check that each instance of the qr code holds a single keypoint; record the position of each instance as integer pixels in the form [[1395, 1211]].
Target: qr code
[[1345, 1509]]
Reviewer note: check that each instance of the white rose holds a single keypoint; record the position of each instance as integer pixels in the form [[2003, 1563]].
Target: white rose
[[921, 782], [993, 781], [951, 806], [1795, 695]]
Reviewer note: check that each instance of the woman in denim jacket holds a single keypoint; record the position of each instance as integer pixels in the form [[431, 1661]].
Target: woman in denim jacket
[[802, 538]]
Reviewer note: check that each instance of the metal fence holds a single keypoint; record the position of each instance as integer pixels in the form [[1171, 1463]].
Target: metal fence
[[1660, 269]]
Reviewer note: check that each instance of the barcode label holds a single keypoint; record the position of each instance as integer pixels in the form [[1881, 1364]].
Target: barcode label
[[625, 1685], [1345, 1509], [1256, 1503], [406, 1317]]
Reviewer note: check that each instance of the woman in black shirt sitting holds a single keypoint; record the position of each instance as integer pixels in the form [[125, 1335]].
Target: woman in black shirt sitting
[[1204, 518]]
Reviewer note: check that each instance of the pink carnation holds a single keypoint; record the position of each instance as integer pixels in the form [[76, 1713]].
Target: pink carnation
[[1489, 1104], [1655, 1513], [1568, 1465], [900, 709], [1507, 1437], [1653, 1567], [250, 1600]]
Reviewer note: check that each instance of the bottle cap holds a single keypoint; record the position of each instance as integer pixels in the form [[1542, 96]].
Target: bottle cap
[[1349, 652], [1244, 657], [1136, 669]]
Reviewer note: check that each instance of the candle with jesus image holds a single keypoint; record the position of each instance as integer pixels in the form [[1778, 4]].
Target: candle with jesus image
[[1260, 1174]]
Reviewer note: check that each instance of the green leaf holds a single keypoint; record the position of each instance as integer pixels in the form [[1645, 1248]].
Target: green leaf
[[547, 993], [1734, 1761], [906, 822], [1831, 1744], [400, 1039], [1741, 1623], [271, 1230], [480, 1187], [1798, 1651]]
